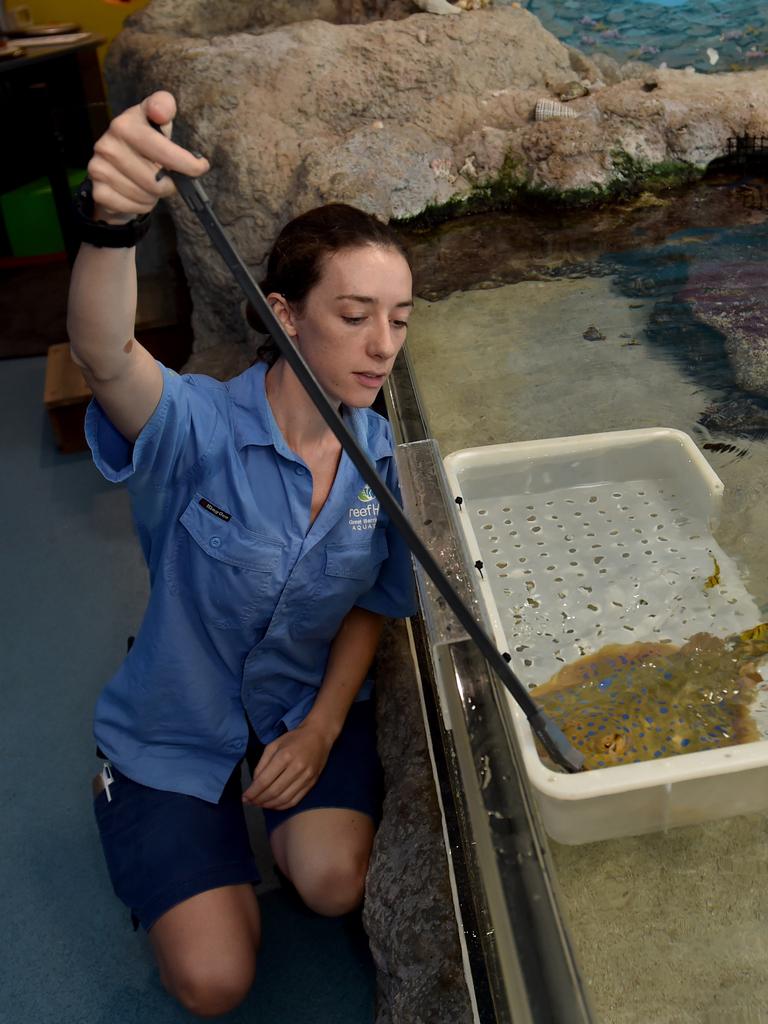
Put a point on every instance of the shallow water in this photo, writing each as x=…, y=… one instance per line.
x=710, y=35
x=503, y=351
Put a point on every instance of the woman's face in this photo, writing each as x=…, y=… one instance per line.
x=353, y=321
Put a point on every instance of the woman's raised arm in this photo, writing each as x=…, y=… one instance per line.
x=101, y=315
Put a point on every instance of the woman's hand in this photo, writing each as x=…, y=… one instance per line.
x=128, y=156
x=288, y=768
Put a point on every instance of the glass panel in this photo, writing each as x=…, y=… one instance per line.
x=529, y=973
x=653, y=315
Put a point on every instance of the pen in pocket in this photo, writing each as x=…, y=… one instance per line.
x=102, y=781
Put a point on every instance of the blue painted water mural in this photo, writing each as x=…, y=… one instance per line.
x=710, y=35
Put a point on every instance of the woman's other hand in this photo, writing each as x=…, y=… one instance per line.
x=128, y=157
x=289, y=768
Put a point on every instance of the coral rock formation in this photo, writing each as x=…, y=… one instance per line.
x=399, y=116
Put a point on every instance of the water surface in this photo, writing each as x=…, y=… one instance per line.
x=710, y=35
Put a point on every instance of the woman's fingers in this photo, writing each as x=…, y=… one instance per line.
x=281, y=795
x=281, y=774
x=160, y=109
x=129, y=156
x=267, y=771
x=291, y=796
x=134, y=129
x=110, y=183
x=261, y=774
x=288, y=767
x=108, y=201
x=264, y=797
x=127, y=162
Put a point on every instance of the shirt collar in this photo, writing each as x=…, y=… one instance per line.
x=250, y=408
x=255, y=424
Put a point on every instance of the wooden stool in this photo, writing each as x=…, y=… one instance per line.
x=66, y=398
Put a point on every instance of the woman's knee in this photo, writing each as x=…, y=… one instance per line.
x=210, y=990
x=206, y=949
x=334, y=886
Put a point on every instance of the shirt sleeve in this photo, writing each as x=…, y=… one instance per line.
x=393, y=594
x=173, y=440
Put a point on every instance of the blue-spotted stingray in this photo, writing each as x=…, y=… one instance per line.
x=641, y=701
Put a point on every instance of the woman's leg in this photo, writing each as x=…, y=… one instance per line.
x=325, y=853
x=206, y=948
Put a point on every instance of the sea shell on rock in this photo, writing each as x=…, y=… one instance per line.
x=442, y=168
x=437, y=7
x=551, y=110
x=468, y=169
x=572, y=91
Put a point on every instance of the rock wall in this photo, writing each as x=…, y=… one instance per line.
x=397, y=116
x=370, y=114
x=203, y=19
x=408, y=912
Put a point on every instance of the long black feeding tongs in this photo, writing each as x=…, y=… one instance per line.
x=552, y=738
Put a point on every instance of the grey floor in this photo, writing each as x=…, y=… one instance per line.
x=73, y=588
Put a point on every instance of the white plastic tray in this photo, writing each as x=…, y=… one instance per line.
x=598, y=539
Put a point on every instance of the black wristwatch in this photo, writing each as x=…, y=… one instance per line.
x=98, y=232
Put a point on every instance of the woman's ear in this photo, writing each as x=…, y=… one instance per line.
x=283, y=312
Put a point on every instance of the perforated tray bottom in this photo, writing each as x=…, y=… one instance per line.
x=574, y=569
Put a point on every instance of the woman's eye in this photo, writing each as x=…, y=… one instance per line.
x=400, y=324
x=353, y=319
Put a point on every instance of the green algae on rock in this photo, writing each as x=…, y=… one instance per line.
x=512, y=189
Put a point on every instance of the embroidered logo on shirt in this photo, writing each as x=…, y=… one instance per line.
x=364, y=515
x=218, y=512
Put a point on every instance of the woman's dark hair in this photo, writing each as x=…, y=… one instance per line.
x=295, y=264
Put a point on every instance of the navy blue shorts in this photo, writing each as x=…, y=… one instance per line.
x=162, y=848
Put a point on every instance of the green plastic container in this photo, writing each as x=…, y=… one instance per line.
x=30, y=217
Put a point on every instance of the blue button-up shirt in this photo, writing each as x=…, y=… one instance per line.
x=246, y=597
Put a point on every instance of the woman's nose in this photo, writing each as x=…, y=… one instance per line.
x=381, y=342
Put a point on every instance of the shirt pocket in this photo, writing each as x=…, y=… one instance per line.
x=350, y=570
x=229, y=571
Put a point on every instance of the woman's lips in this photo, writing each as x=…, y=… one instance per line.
x=370, y=380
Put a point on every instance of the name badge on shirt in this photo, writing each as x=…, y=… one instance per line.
x=218, y=512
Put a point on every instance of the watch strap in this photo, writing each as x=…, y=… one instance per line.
x=99, y=232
